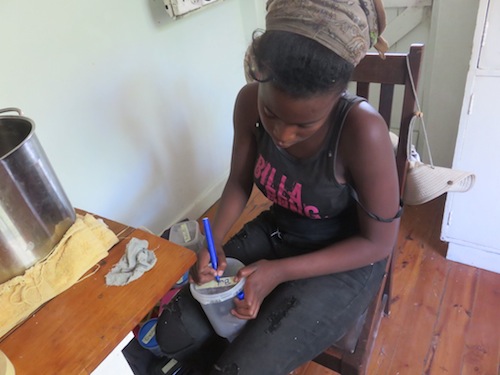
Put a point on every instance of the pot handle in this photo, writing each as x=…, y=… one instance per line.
x=12, y=109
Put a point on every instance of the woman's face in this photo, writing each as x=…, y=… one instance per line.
x=290, y=121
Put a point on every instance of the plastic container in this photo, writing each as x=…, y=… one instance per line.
x=218, y=302
x=147, y=337
x=187, y=234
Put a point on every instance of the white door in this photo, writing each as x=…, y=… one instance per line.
x=471, y=222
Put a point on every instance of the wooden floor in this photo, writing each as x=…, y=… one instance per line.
x=445, y=316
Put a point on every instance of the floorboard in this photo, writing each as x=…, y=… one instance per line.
x=482, y=339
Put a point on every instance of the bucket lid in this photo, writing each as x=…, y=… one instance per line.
x=147, y=334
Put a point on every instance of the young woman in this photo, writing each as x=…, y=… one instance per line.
x=324, y=157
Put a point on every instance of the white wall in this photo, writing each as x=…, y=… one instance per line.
x=133, y=109
x=446, y=63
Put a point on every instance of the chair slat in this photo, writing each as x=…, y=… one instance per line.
x=363, y=89
x=385, y=101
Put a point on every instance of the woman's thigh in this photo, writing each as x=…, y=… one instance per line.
x=299, y=320
x=255, y=241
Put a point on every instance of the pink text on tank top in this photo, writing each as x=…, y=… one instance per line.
x=292, y=200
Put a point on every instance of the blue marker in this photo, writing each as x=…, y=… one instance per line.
x=210, y=245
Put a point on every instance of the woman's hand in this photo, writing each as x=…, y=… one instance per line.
x=202, y=272
x=261, y=279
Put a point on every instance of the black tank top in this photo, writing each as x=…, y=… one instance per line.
x=308, y=186
x=308, y=201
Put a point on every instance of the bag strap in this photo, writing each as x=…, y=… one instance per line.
x=419, y=115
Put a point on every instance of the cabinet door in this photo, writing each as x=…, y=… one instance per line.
x=471, y=221
x=474, y=216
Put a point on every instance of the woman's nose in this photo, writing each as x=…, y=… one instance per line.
x=282, y=133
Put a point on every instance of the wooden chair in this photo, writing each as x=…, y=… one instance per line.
x=350, y=355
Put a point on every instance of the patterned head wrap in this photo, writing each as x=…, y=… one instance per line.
x=347, y=27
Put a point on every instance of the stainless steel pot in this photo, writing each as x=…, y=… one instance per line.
x=34, y=210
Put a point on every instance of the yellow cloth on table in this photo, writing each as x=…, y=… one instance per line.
x=84, y=244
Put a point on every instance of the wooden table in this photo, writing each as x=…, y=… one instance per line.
x=74, y=332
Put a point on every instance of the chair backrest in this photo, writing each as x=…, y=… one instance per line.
x=389, y=73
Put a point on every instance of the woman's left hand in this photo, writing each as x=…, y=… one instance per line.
x=261, y=279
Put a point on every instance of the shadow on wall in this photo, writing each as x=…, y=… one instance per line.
x=161, y=129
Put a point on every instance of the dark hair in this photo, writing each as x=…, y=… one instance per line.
x=298, y=65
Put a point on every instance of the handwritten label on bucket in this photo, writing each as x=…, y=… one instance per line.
x=223, y=283
x=185, y=233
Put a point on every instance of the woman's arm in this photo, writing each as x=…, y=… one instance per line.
x=239, y=184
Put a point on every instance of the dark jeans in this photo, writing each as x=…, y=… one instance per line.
x=296, y=322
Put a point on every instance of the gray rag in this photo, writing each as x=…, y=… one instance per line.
x=136, y=260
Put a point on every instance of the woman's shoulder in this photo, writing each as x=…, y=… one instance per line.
x=364, y=124
x=247, y=97
x=246, y=112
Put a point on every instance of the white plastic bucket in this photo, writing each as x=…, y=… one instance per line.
x=218, y=302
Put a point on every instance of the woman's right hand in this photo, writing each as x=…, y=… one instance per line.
x=202, y=272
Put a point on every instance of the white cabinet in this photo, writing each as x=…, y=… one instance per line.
x=471, y=221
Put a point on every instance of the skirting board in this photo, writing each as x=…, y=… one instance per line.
x=487, y=260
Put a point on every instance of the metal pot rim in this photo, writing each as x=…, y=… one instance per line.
x=26, y=139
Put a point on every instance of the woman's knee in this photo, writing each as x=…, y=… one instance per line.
x=182, y=326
